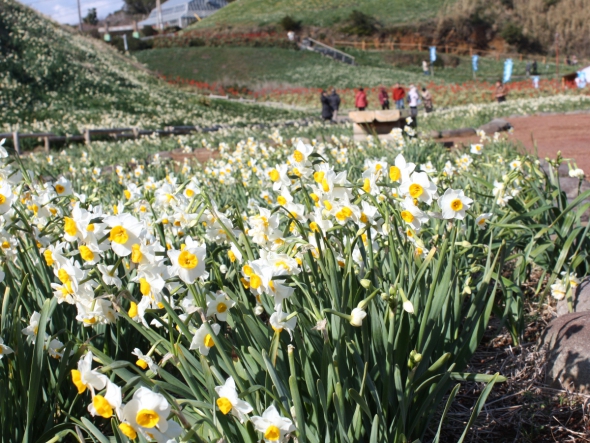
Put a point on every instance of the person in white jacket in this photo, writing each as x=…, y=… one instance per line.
x=413, y=98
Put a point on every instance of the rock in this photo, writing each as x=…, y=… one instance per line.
x=496, y=125
x=568, y=352
x=462, y=132
x=581, y=299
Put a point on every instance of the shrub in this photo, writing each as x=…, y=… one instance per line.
x=361, y=24
x=148, y=31
x=290, y=24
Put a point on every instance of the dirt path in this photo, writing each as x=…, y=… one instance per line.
x=569, y=134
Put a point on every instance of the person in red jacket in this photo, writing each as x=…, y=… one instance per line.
x=360, y=100
x=398, y=96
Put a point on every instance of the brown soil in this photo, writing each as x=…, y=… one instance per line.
x=569, y=134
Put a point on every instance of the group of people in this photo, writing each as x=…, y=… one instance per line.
x=331, y=100
x=400, y=98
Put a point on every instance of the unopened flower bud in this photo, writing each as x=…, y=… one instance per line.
x=356, y=317
x=365, y=283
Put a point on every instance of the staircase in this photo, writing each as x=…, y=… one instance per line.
x=310, y=44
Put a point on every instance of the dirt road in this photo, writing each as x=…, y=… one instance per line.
x=569, y=134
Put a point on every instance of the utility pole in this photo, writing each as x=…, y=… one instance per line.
x=79, y=17
x=159, y=8
x=557, y=53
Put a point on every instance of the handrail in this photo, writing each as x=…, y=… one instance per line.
x=330, y=48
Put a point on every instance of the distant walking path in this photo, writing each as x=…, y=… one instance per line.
x=568, y=133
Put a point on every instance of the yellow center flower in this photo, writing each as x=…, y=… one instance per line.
x=407, y=216
x=136, y=254
x=189, y=193
x=298, y=156
x=127, y=194
x=187, y=260
x=416, y=190
x=247, y=270
x=119, y=235
x=147, y=418
x=281, y=200
x=2, y=199
x=318, y=176
x=456, y=205
x=142, y=364
x=77, y=380
x=90, y=227
x=231, y=255
x=224, y=405
x=274, y=175
x=63, y=276
x=102, y=406
x=208, y=341
x=325, y=185
x=86, y=253
x=255, y=281
x=221, y=308
x=144, y=286
x=128, y=431
x=272, y=433
x=59, y=189
x=394, y=173
x=48, y=257
x=132, y=309
x=70, y=226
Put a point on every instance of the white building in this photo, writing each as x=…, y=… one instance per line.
x=182, y=13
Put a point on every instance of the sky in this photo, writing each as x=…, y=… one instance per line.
x=66, y=11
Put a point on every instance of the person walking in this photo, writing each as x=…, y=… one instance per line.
x=425, y=67
x=399, y=94
x=535, y=68
x=413, y=99
x=326, y=108
x=427, y=99
x=334, y=100
x=360, y=100
x=501, y=92
x=527, y=68
x=383, y=99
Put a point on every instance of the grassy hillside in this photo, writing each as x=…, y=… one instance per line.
x=321, y=12
x=53, y=79
x=257, y=68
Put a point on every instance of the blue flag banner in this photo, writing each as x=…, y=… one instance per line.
x=535, y=81
x=474, y=61
x=432, y=54
x=507, y=70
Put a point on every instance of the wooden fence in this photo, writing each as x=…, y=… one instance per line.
x=86, y=137
x=390, y=45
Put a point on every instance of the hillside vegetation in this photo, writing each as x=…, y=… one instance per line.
x=324, y=13
x=528, y=26
x=53, y=79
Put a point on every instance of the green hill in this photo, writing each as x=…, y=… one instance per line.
x=323, y=13
x=54, y=79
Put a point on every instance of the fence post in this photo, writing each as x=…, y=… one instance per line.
x=470, y=51
x=520, y=57
x=87, y=136
x=376, y=43
x=364, y=46
x=46, y=142
x=420, y=47
x=16, y=142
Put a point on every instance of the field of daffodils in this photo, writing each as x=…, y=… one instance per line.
x=292, y=289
